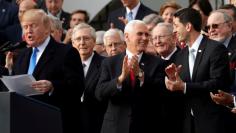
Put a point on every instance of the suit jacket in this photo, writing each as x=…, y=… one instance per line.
x=210, y=73
x=130, y=110
x=61, y=65
x=172, y=120
x=65, y=18
x=12, y=33
x=92, y=110
x=121, y=12
x=8, y=14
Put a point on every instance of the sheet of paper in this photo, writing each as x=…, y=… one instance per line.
x=20, y=84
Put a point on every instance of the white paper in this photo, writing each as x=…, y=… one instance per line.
x=20, y=84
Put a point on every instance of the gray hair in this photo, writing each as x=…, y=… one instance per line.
x=152, y=19
x=167, y=25
x=112, y=32
x=227, y=18
x=84, y=26
x=56, y=23
x=99, y=36
x=129, y=27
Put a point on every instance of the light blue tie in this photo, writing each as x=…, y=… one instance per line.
x=33, y=59
x=130, y=16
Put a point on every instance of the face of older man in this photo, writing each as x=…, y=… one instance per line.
x=163, y=40
x=84, y=43
x=114, y=45
x=137, y=39
x=34, y=29
x=218, y=28
x=54, y=6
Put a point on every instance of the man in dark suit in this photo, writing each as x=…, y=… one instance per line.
x=132, y=81
x=58, y=68
x=205, y=69
x=163, y=40
x=54, y=8
x=223, y=33
x=8, y=14
x=92, y=110
x=139, y=11
x=14, y=33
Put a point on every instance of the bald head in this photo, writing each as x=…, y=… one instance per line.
x=26, y=5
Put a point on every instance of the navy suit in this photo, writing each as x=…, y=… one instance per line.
x=61, y=65
x=12, y=33
x=121, y=12
x=210, y=73
x=8, y=14
x=131, y=110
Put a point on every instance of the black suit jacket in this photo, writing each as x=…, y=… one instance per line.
x=131, y=110
x=172, y=120
x=210, y=73
x=92, y=110
x=65, y=18
x=61, y=65
x=12, y=33
x=8, y=14
x=121, y=12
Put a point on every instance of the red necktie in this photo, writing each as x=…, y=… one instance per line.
x=132, y=78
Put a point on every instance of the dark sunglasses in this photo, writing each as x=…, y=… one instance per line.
x=214, y=26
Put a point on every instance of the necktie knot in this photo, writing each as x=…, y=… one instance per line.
x=84, y=65
x=130, y=16
x=33, y=60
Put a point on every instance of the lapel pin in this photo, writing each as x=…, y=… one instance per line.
x=199, y=51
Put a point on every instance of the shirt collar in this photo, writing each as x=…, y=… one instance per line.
x=226, y=41
x=169, y=56
x=58, y=15
x=134, y=10
x=130, y=55
x=196, y=44
x=42, y=47
x=88, y=61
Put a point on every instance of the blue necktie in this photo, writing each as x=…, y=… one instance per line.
x=33, y=59
x=130, y=16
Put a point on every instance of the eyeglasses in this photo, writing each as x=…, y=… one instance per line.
x=160, y=37
x=84, y=38
x=214, y=26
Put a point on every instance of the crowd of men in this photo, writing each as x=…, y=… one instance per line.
x=167, y=71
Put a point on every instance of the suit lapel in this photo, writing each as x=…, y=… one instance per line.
x=45, y=57
x=198, y=59
x=185, y=74
x=140, y=12
x=26, y=61
x=92, y=71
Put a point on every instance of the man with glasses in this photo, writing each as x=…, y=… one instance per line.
x=114, y=42
x=91, y=112
x=220, y=28
x=163, y=40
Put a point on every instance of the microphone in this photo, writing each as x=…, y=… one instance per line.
x=5, y=44
x=11, y=47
